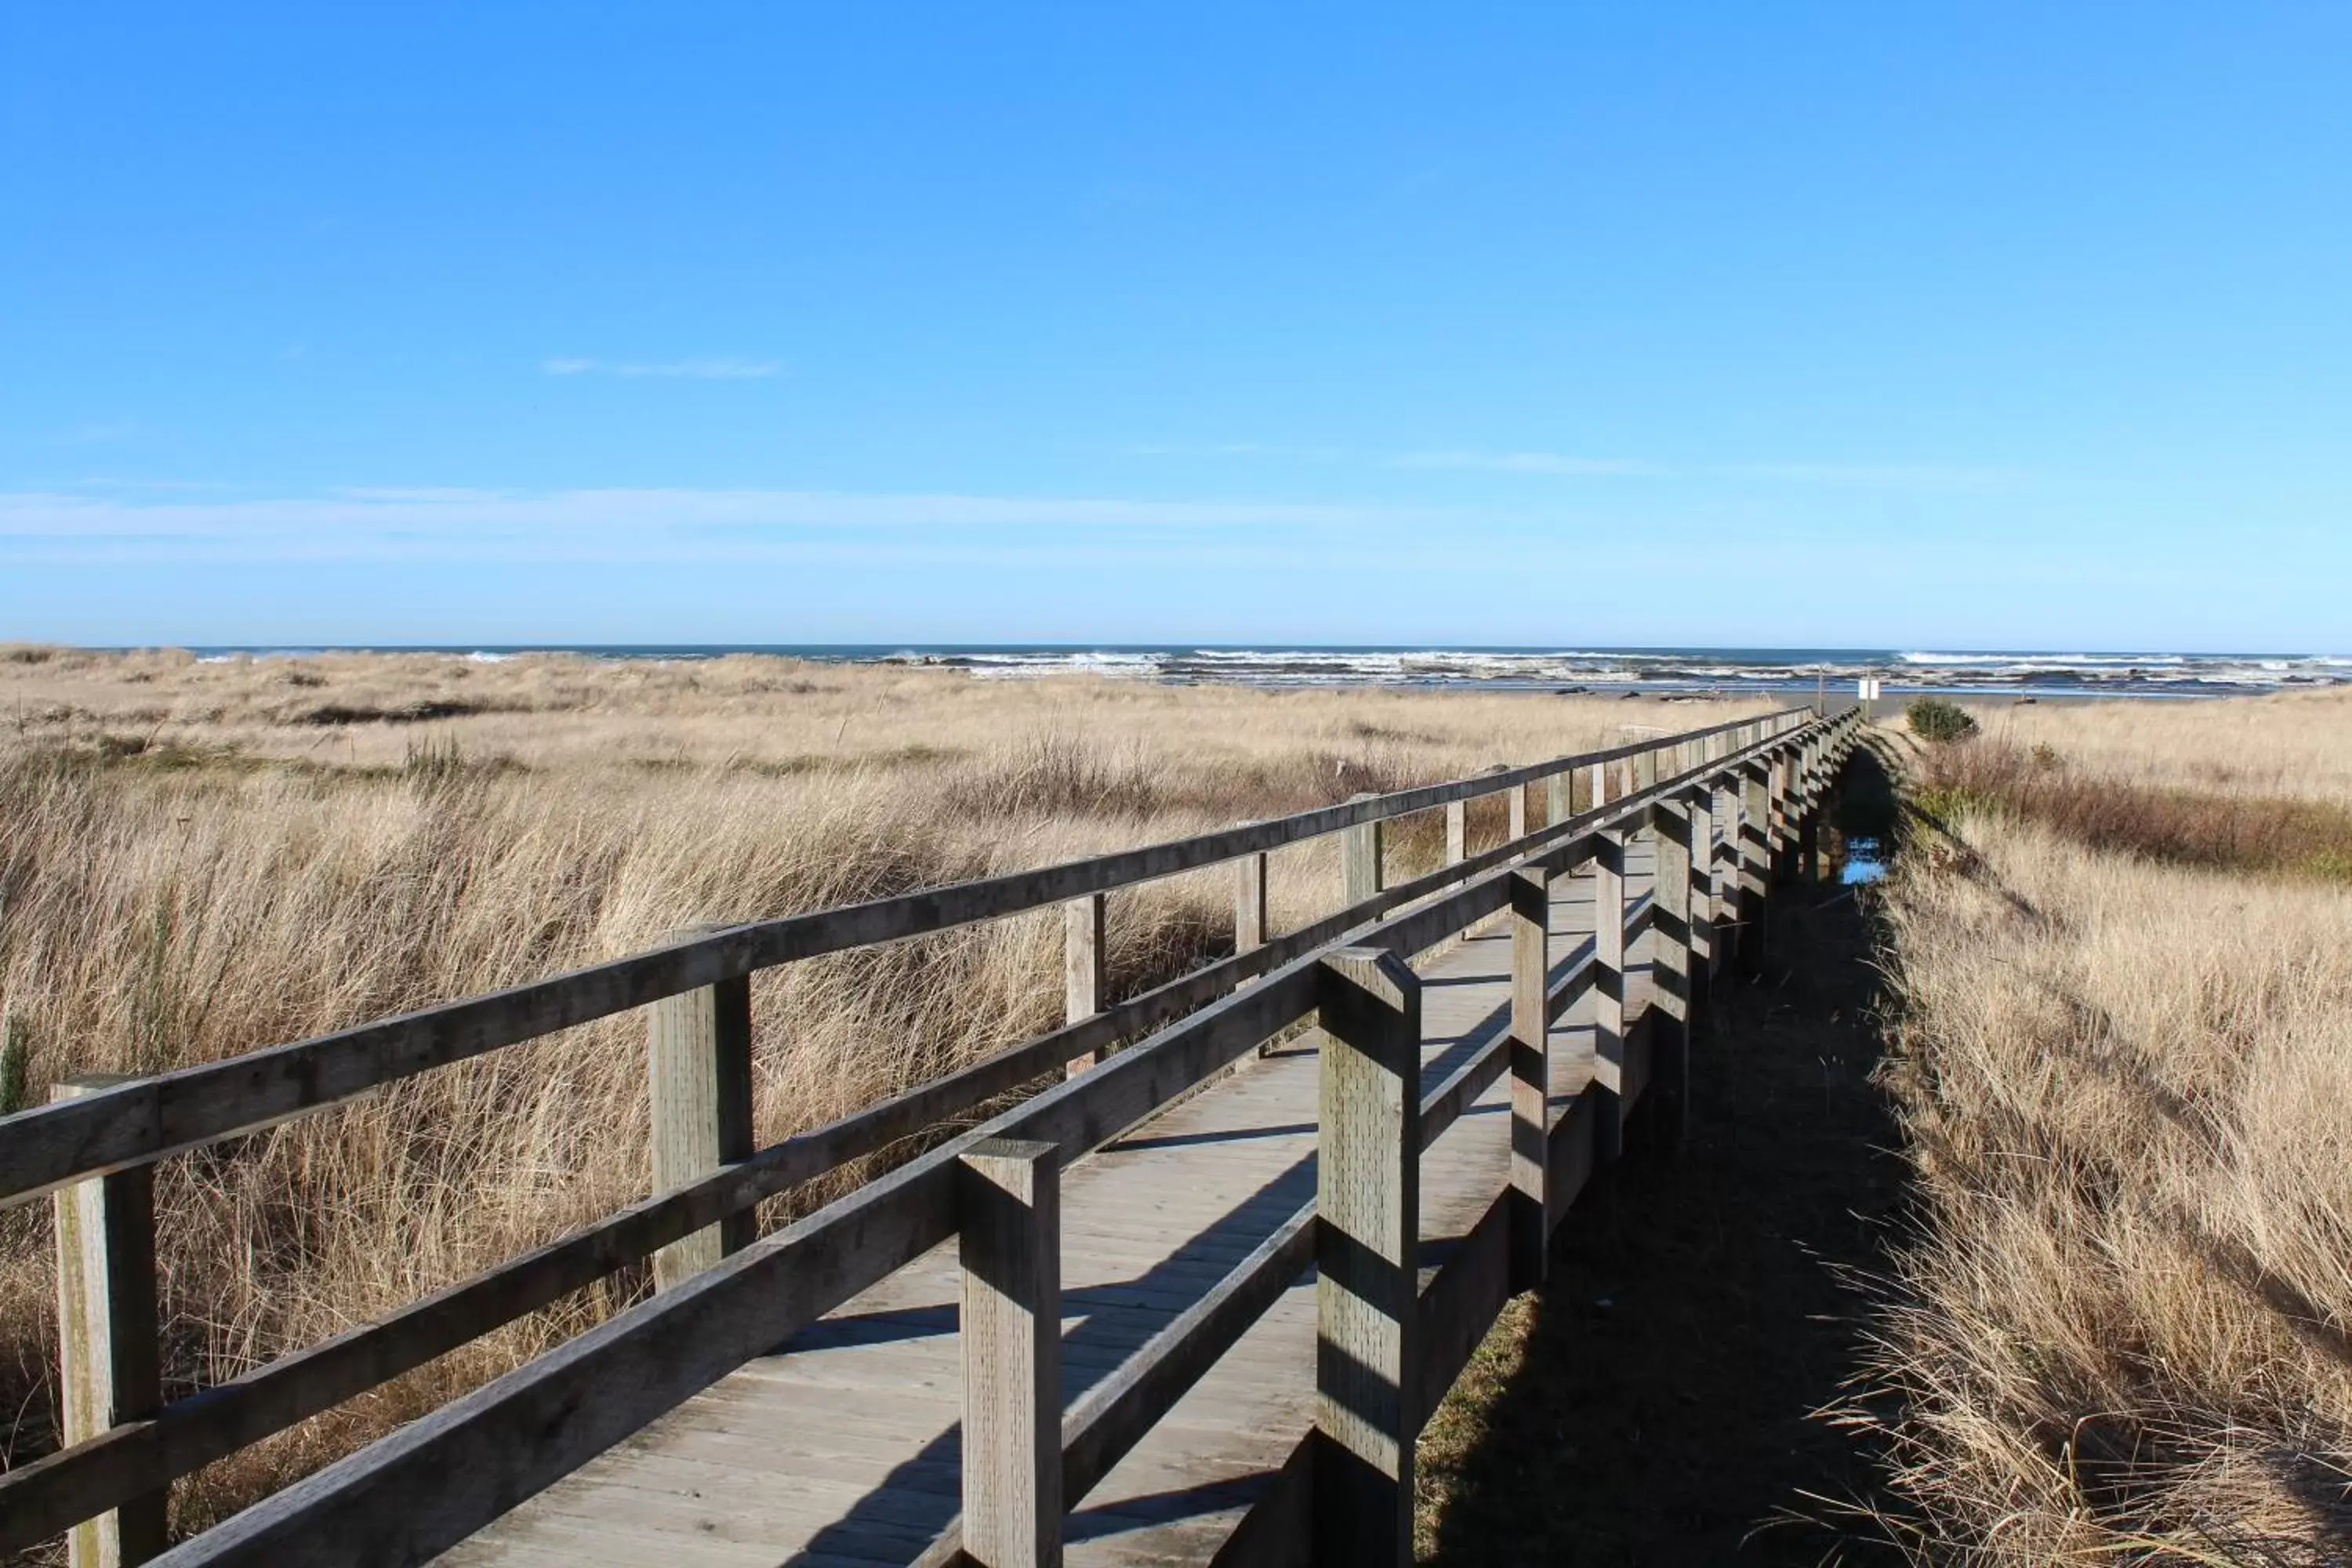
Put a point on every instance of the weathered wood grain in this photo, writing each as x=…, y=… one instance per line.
x=1528, y=1202
x=1367, y=1180
x=1674, y=832
x=1086, y=966
x=111, y=1370
x=1609, y=947
x=1008, y=1220
x=1360, y=854
x=699, y=1067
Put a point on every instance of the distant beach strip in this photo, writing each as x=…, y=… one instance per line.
x=1693, y=671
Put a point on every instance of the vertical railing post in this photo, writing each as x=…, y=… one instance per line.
x=698, y=1071
x=1599, y=786
x=1085, y=967
x=1532, y=1206
x=1609, y=994
x=1560, y=797
x=1360, y=859
x=1755, y=859
x=1008, y=1220
x=1723, y=890
x=1517, y=826
x=1809, y=814
x=1784, y=813
x=1368, y=1203
x=1457, y=831
x=1085, y=957
x=1670, y=969
x=110, y=1364
x=1698, y=805
x=1249, y=901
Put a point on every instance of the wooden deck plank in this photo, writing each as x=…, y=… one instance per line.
x=844, y=1448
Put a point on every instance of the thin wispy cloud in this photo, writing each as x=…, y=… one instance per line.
x=1227, y=449
x=1940, y=476
x=461, y=528
x=1520, y=463
x=724, y=368
x=441, y=524
x=1946, y=478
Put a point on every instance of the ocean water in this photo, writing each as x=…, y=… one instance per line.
x=1680, y=670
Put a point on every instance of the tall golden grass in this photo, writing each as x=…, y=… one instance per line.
x=2289, y=744
x=198, y=859
x=2122, y=1332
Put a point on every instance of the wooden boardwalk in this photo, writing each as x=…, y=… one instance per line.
x=798, y=1397
x=843, y=1450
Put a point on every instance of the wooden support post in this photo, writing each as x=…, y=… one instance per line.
x=1782, y=779
x=1009, y=1231
x=698, y=1070
x=1457, y=831
x=1670, y=970
x=1085, y=957
x=1367, y=1205
x=1645, y=769
x=1360, y=860
x=1698, y=804
x=1486, y=924
x=1809, y=819
x=1755, y=861
x=1086, y=968
x=1250, y=928
x=1559, y=800
x=1600, y=785
x=1531, y=1208
x=1519, y=823
x=1723, y=888
x=1609, y=994
x=110, y=1365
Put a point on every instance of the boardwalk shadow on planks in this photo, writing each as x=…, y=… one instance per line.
x=1653, y=1405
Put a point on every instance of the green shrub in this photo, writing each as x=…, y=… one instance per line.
x=1933, y=718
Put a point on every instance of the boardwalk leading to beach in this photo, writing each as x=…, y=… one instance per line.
x=845, y=1450
x=1193, y=1302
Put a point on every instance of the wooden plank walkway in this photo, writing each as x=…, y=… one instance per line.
x=843, y=1451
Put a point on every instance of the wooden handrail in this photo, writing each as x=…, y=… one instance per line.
x=59, y=1489
x=830, y=1256
x=149, y=1118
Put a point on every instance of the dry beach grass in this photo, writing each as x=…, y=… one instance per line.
x=202, y=858
x=2120, y=1324
x=2122, y=961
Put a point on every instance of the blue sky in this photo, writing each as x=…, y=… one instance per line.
x=1904, y=325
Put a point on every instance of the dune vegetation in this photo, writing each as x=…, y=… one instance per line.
x=2115, y=1327
x=2121, y=999
x=199, y=859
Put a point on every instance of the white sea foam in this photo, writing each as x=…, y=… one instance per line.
x=1792, y=672
x=2055, y=673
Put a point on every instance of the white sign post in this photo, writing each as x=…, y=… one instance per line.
x=1869, y=686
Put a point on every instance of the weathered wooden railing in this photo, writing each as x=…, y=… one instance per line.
x=727, y=1297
